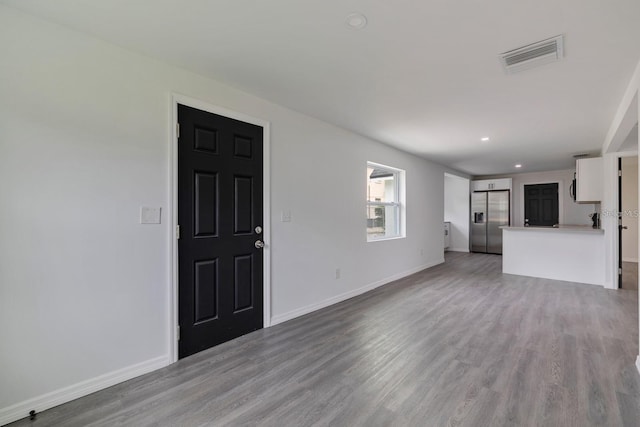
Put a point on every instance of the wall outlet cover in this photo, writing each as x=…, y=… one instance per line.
x=150, y=215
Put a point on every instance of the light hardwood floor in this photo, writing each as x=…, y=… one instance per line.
x=457, y=344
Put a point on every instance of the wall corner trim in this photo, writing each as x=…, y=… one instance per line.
x=638, y=363
x=350, y=294
x=66, y=394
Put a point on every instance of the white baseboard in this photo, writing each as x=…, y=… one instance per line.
x=458, y=249
x=350, y=294
x=629, y=259
x=83, y=388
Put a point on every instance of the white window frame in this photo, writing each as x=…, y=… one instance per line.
x=399, y=202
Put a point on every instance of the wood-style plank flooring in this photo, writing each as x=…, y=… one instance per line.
x=630, y=276
x=459, y=344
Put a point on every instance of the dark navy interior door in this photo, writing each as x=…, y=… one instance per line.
x=541, y=204
x=220, y=199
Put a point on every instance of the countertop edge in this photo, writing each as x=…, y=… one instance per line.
x=585, y=230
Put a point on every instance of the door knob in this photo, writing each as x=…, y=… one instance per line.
x=259, y=244
x=624, y=227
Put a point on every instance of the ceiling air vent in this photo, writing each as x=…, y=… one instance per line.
x=533, y=55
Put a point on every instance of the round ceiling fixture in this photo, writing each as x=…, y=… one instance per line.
x=356, y=21
x=484, y=139
x=518, y=165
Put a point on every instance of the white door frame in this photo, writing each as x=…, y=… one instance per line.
x=173, y=210
x=609, y=217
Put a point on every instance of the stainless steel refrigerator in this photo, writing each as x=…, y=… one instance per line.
x=490, y=210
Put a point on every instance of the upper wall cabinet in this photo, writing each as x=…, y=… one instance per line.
x=589, y=177
x=491, y=184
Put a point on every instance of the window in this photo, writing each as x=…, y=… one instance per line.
x=385, y=210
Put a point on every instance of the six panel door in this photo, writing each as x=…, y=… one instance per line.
x=220, y=199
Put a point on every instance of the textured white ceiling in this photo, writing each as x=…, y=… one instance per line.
x=423, y=76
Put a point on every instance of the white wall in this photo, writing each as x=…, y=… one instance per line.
x=630, y=209
x=626, y=118
x=85, y=141
x=570, y=212
x=623, y=123
x=456, y=210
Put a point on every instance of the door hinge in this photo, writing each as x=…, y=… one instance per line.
x=619, y=271
x=178, y=232
x=178, y=332
x=619, y=172
x=178, y=130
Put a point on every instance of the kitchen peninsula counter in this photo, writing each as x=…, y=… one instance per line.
x=573, y=253
x=561, y=228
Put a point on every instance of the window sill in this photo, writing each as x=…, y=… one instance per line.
x=384, y=239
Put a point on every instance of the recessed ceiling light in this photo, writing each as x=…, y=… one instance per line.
x=518, y=165
x=484, y=139
x=357, y=21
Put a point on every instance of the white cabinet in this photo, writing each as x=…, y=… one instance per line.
x=589, y=177
x=491, y=184
x=447, y=235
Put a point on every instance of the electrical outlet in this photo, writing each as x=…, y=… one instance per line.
x=337, y=273
x=285, y=216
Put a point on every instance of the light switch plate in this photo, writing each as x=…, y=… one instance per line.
x=150, y=215
x=285, y=216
